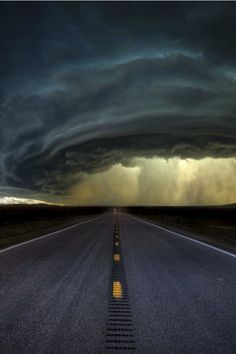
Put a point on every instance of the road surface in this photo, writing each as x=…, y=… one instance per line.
x=117, y=285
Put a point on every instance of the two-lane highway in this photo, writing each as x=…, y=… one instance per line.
x=55, y=291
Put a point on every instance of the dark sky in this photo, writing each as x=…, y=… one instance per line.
x=85, y=86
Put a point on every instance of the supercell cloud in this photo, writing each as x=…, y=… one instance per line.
x=87, y=87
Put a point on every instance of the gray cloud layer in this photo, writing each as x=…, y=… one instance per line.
x=96, y=84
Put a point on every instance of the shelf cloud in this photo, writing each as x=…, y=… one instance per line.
x=89, y=86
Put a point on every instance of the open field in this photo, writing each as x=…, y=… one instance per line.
x=213, y=224
x=22, y=222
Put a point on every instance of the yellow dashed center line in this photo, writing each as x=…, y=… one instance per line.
x=116, y=257
x=117, y=290
x=116, y=243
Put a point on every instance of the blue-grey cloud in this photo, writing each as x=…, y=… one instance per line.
x=87, y=85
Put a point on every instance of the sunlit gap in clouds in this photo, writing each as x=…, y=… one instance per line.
x=16, y=200
x=159, y=181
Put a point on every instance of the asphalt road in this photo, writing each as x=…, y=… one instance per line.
x=54, y=292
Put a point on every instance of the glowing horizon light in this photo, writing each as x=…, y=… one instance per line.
x=16, y=200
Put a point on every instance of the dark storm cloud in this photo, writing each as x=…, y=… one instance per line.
x=87, y=85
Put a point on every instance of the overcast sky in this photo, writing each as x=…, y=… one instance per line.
x=118, y=102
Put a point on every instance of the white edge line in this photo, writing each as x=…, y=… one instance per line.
x=50, y=234
x=186, y=237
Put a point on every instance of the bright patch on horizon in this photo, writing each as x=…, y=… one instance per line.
x=15, y=200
